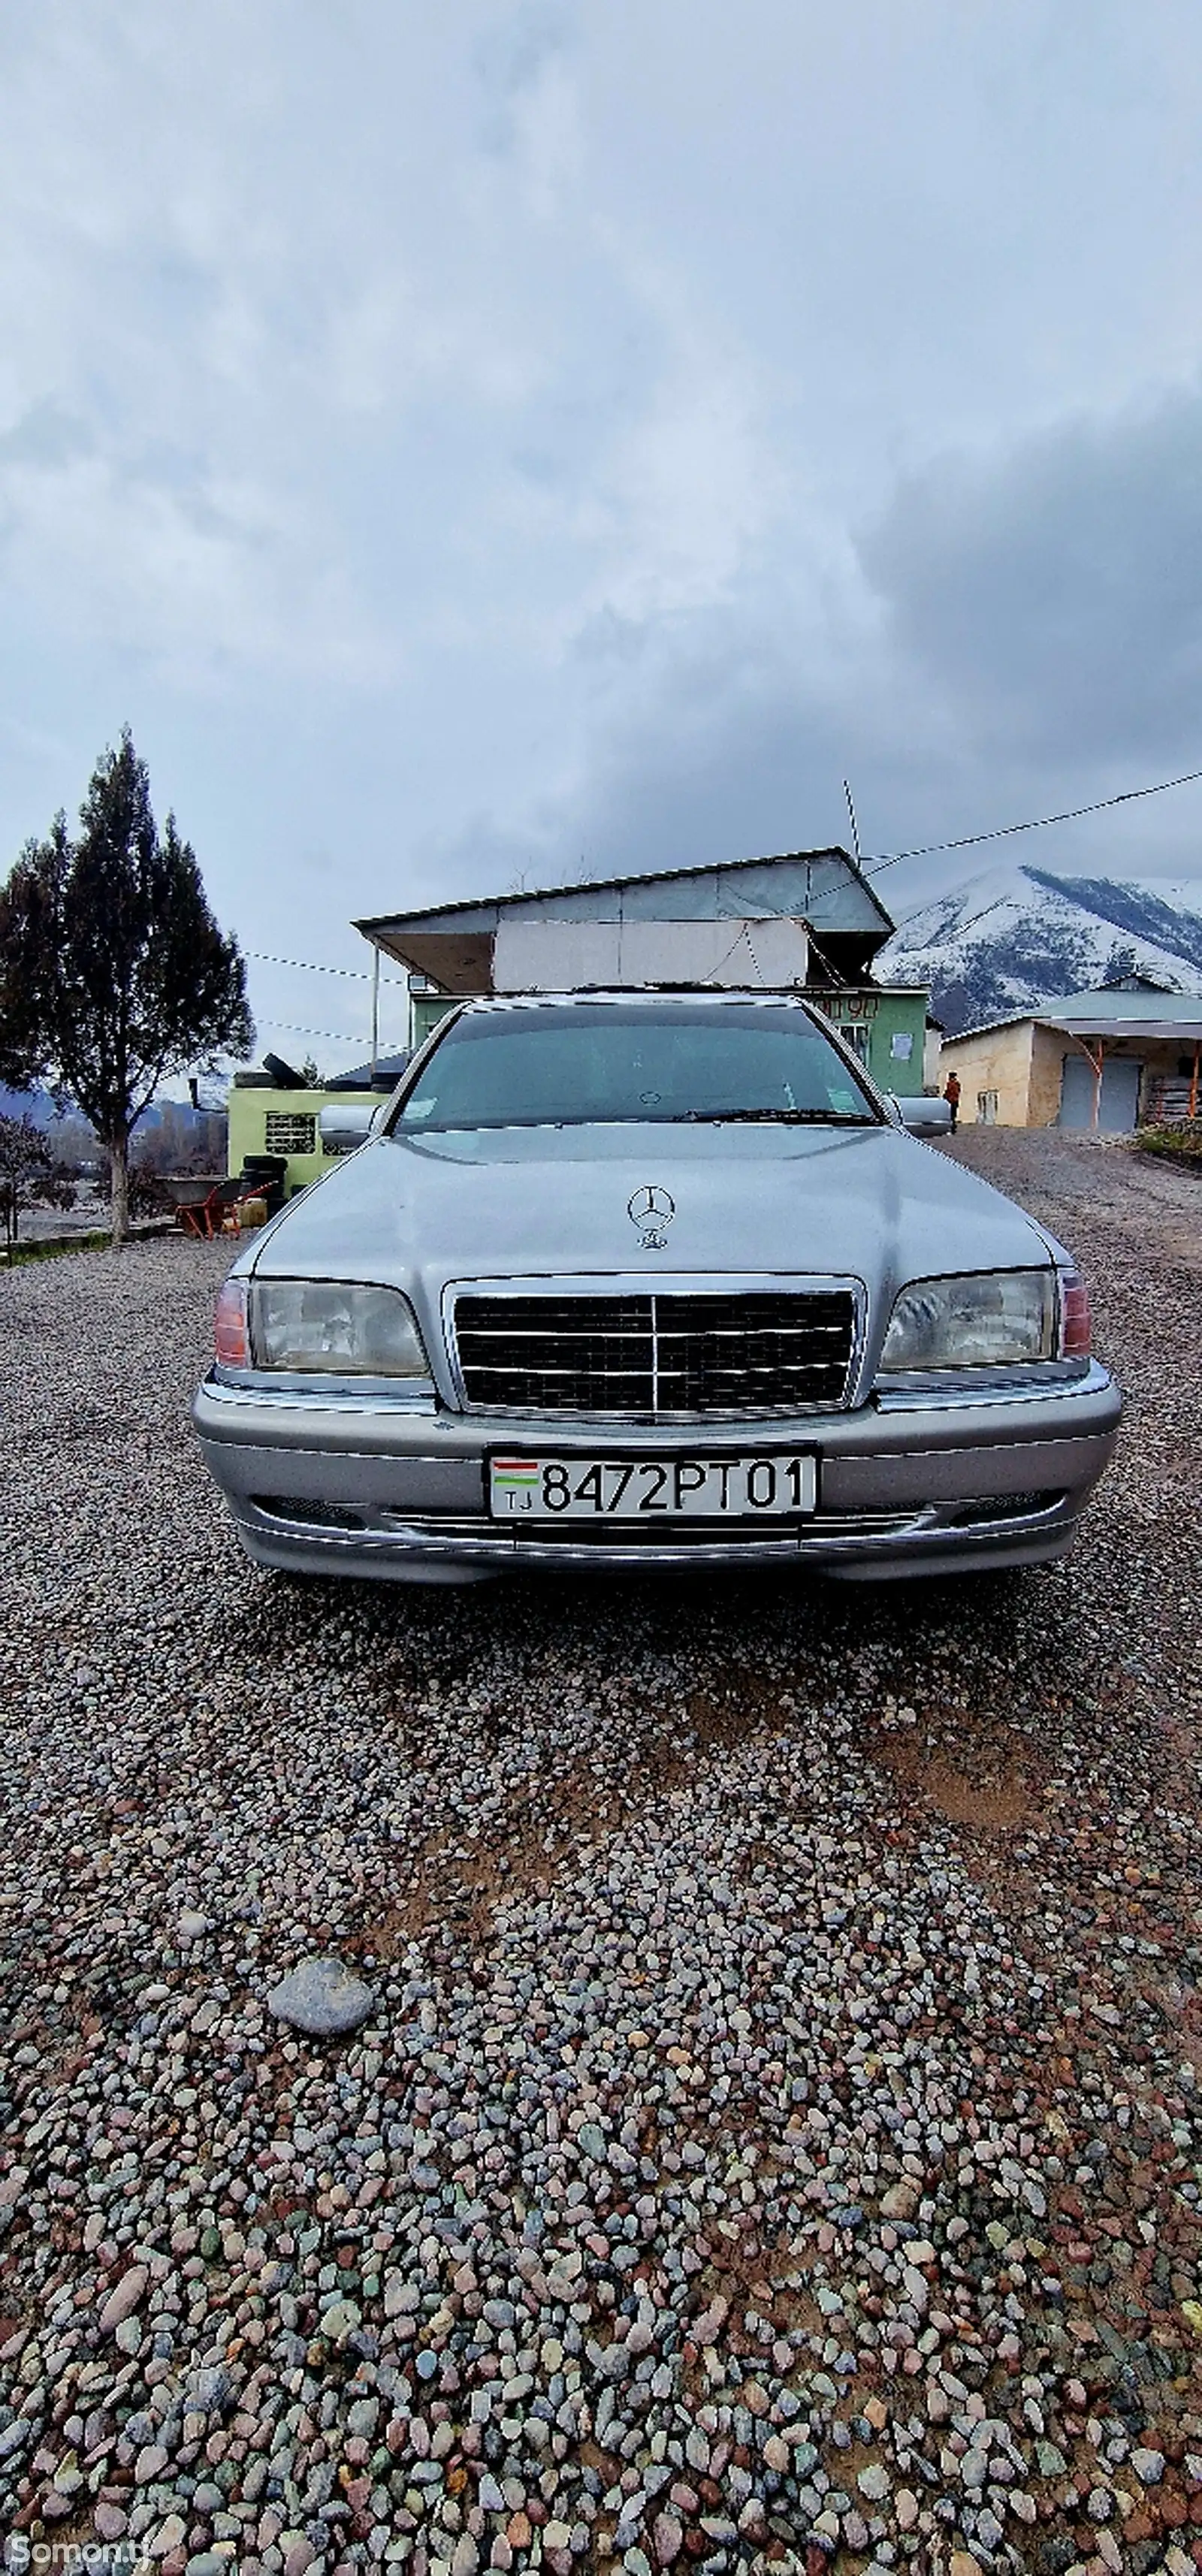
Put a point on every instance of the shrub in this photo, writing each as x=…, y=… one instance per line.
x=1180, y=1144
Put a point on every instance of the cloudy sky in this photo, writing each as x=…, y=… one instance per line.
x=517, y=441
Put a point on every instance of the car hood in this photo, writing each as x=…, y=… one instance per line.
x=867, y=1203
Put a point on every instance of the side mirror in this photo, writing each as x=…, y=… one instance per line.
x=921, y=1116
x=346, y=1124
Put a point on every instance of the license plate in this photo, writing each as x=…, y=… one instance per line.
x=779, y=1487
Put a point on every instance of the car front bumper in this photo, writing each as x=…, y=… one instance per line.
x=910, y=1483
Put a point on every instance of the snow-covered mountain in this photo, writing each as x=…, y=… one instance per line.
x=1017, y=935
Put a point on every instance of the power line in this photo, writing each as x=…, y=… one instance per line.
x=298, y=1030
x=869, y=868
x=353, y=974
x=1040, y=822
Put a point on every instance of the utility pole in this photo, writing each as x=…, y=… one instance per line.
x=375, y=1012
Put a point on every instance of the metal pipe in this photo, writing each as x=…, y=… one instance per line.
x=375, y=1012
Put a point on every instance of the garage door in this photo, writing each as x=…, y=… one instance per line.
x=1120, y=1094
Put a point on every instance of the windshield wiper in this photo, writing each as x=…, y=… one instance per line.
x=788, y=1117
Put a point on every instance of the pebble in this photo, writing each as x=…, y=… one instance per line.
x=207, y=2389
x=675, y=2166
x=122, y=2300
x=668, y=2539
x=322, y=1997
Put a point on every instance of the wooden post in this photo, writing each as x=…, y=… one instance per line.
x=1193, y=1089
x=1096, y=1061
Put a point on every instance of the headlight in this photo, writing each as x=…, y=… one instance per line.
x=991, y=1318
x=311, y=1325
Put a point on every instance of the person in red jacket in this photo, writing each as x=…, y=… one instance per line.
x=951, y=1093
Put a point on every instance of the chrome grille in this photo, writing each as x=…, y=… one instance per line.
x=749, y=1352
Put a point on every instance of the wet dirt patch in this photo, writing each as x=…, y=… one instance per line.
x=994, y=1806
x=969, y=1770
x=460, y=1885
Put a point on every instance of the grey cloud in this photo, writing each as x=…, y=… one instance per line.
x=481, y=400
x=510, y=61
x=45, y=436
x=1054, y=596
x=710, y=742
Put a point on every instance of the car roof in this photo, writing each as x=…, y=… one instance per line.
x=637, y=993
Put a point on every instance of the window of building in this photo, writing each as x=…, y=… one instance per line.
x=291, y=1131
x=986, y=1108
x=858, y=1036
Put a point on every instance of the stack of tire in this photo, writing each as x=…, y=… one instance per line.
x=268, y=1173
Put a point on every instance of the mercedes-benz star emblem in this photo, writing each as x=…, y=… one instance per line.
x=653, y=1210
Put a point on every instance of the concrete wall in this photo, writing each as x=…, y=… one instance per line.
x=1024, y=1064
x=1049, y=1048
x=249, y=1112
x=998, y=1060
x=425, y=1012
x=895, y=1019
x=1157, y=1057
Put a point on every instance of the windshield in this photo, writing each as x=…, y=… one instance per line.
x=561, y=1064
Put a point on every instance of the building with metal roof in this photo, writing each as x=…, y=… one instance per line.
x=1126, y=1054
x=805, y=920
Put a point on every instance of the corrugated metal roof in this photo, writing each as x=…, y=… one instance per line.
x=1137, y=1007
x=1104, y=1015
x=1129, y=1028
x=812, y=884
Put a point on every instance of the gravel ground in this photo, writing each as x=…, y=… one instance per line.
x=775, y=2142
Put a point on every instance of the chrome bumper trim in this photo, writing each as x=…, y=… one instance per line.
x=248, y=1396
x=1032, y=1389
x=827, y=1539
x=898, y=1489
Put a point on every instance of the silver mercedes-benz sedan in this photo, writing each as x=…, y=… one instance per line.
x=645, y=1280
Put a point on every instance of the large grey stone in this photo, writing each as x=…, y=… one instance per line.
x=321, y=1997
